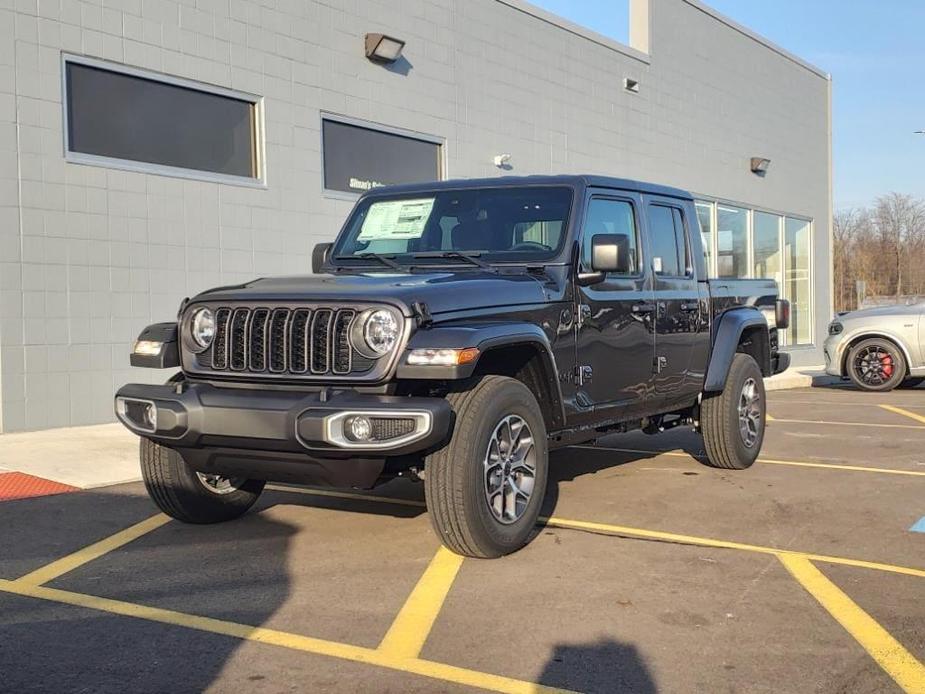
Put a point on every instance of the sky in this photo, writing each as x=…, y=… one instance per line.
x=876, y=56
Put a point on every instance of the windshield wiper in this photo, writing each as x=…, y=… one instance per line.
x=471, y=258
x=384, y=259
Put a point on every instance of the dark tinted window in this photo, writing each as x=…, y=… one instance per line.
x=669, y=246
x=121, y=116
x=358, y=159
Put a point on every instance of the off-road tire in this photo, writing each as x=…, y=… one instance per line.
x=454, y=476
x=719, y=418
x=886, y=346
x=176, y=489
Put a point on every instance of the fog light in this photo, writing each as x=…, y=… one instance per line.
x=358, y=428
x=140, y=415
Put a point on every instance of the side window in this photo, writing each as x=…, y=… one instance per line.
x=684, y=251
x=668, y=241
x=610, y=217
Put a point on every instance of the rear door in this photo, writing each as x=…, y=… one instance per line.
x=615, y=331
x=679, y=343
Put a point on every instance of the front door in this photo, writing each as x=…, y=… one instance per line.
x=616, y=342
x=680, y=344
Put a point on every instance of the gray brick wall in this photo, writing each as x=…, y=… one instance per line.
x=90, y=255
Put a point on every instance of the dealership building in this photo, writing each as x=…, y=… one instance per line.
x=151, y=149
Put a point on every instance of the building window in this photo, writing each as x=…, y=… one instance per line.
x=359, y=157
x=731, y=241
x=705, y=217
x=127, y=118
x=766, y=247
x=797, y=287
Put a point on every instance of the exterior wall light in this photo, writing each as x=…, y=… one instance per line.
x=383, y=49
x=503, y=161
x=760, y=165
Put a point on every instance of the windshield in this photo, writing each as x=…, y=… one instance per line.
x=524, y=224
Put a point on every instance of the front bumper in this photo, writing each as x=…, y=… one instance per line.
x=281, y=434
x=832, y=350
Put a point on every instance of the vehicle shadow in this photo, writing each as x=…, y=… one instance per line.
x=605, y=666
x=236, y=572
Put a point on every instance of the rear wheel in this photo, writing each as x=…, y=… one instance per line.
x=732, y=422
x=485, y=488
x=876, y=365
x=190, y=496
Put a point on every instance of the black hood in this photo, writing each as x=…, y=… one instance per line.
x=441, y=291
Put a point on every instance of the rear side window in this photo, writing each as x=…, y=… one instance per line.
x=669, y=242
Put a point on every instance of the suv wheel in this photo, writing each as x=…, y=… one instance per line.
x=876, y=365
x=733, y=421
x=190, y=496
x=485, y=488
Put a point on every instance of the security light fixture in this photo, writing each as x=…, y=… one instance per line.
x=503, y=161
x=383, y=49
x=631, y=85
x=760, y=166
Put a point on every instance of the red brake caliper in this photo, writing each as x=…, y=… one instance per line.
x=886, y=361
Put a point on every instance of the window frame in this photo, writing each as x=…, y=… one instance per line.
x=640, y=251
x=333, y=194
x=259, y=127
x=688, y=257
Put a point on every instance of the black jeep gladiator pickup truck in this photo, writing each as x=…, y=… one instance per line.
x=455, y=332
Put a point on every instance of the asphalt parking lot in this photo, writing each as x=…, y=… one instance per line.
x=651, y=573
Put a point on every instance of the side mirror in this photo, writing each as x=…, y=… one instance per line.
x=320, y=256
x=609, y=253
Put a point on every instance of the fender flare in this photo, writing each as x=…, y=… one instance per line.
x=486, y=337
x=169, y=356
x=728, y=332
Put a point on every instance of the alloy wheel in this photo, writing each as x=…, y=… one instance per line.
x=749, y=413
x=510, y=469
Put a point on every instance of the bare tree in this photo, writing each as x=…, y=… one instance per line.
x=884, y=246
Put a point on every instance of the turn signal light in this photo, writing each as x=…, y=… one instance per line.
x=443, y=357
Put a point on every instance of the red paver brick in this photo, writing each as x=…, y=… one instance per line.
x=18, y=485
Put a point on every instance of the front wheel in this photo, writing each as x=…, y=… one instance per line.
x=733, y=421
x=485, y=488
x=190, y=496
x=876, y=365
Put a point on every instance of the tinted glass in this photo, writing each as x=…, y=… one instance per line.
x=496, y=224
x=731, y=241
x=111, y=114
x=610, y=217
x=358, y=159
x=666, y=236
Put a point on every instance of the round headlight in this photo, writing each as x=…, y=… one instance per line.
x=202, y=327
x=378, y=333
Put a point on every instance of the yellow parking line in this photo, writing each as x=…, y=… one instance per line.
x=609, y=529
x=769, y=461
x=849, y=424
x=408, y=633
x=890, y=655
x=769, y=417
x=62, y=566
x=297, y=642
x=905, y=413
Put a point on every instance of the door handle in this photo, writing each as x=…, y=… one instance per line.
x=643, y=308
x=690, y=307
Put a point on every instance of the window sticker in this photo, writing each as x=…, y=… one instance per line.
x=396, y=219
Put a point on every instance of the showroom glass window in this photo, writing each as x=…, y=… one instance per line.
x=766, y=247
x=142, y=121
x=797, y=236
x=731, y=241
x=705, y=216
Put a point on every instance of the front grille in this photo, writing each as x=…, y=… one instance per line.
x=284, y=341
